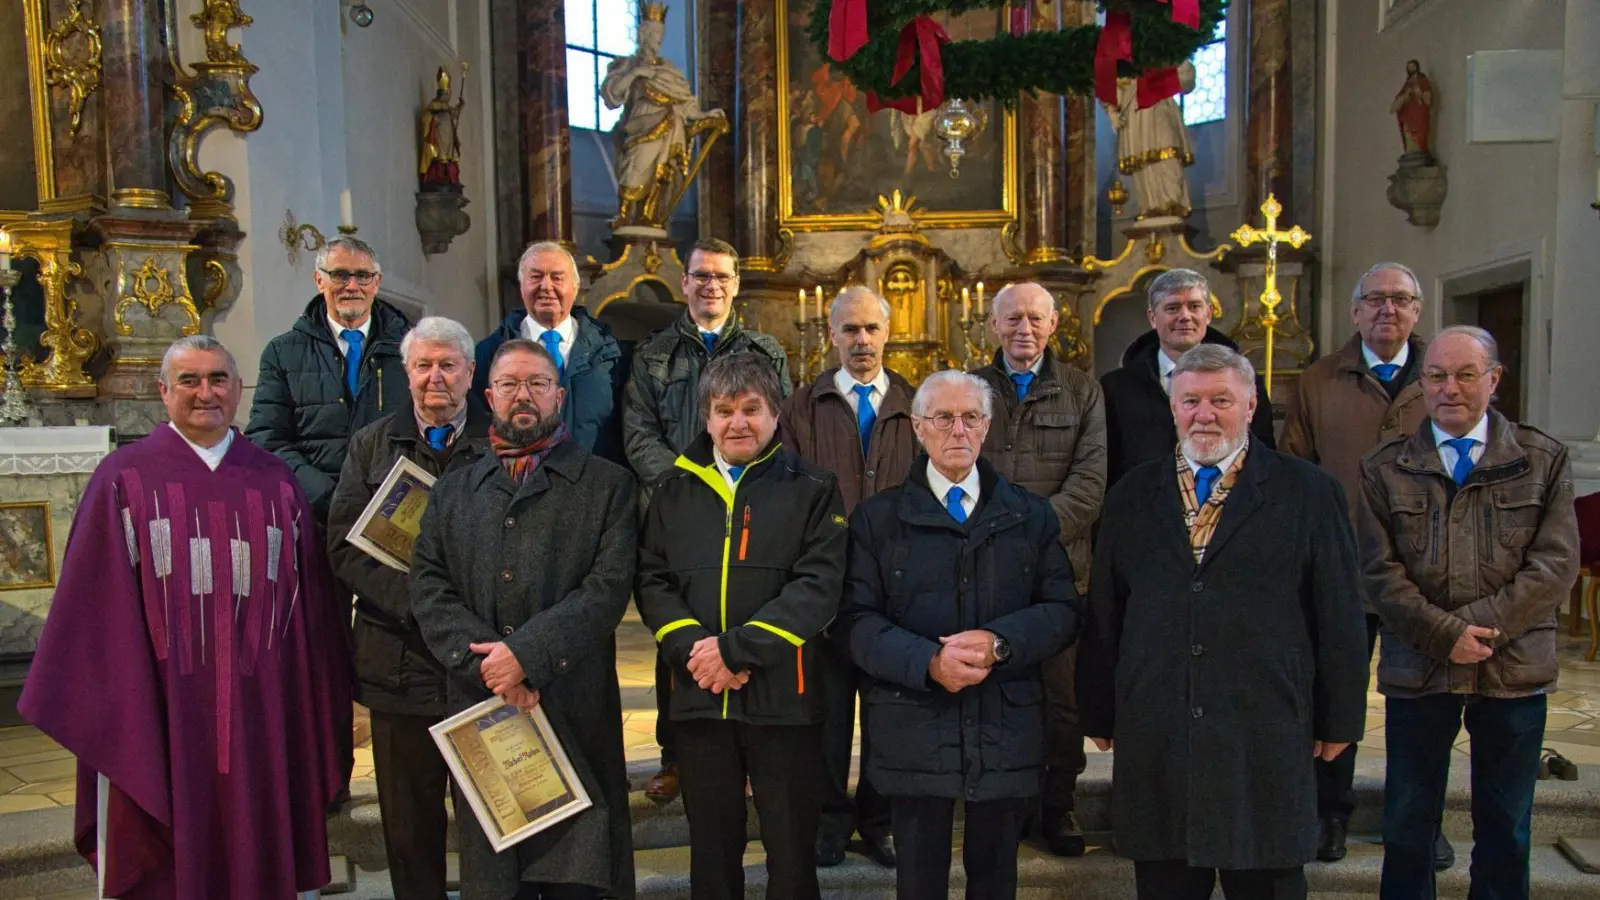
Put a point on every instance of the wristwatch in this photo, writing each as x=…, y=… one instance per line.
x=1002, y=649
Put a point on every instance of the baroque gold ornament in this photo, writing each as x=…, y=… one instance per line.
x=72, y=59
x=151, y=287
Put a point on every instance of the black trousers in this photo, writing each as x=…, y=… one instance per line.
x=1064, y=758
x=869, y=811
x=531, y=891
x=669, y=750
x=1336, y=795
x=413, y=781
x=1177, y=880
x=782, y=763
x=922, y=837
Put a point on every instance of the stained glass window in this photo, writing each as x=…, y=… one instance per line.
x=598, y=31
x=1208, y=102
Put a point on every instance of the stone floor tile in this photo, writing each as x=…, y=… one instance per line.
x=12, y=803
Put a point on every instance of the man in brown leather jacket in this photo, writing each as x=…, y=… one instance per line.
x=1342, y=406
x=1469, y=543
x=854, y=421
x=1049, y=437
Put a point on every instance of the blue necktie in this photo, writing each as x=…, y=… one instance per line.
x=439, y=435
x=1464, y=464
x=710, y=339
x=734, y=472
x=952, y=504
x=551, y=340
x=865, y=415
x=1023, y=381
x=352, y=359
x=1385, y=371
x=1204, y=480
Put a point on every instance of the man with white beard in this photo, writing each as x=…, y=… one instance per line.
x=1221, y=651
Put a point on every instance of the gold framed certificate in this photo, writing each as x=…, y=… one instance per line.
x=389, y=526
x=512, y=769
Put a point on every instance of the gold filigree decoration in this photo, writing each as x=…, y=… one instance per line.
x=216, y=283
x=652, y=259
x=72, y=59
x=151, y=287
x=775, y=263
x=70, y=346
x=217, y=94
x=1070, y=345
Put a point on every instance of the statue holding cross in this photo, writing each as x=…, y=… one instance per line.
x=1248, y=234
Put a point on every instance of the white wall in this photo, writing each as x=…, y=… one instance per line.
x=1507, y=202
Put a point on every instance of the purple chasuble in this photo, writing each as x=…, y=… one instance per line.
x=194, y=655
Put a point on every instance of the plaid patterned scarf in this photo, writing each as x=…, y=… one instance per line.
x=521, y=461
x=1202, y=521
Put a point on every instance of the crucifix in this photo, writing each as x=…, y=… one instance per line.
x=1246, y=235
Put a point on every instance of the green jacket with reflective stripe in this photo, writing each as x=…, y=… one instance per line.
x=758, y=565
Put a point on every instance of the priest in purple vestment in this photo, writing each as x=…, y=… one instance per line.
x=193, y=659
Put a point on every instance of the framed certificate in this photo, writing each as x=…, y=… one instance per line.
x=512, y=769
x=390, y=523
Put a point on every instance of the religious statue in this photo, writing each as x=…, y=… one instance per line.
x=441, y=139
x=660, y=118
x=1413, y=107
x=1153, y=148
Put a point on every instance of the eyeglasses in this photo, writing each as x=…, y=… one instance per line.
x=510, y=387
x=1377, y=301
x=705, y=278
x=1465, y=377
x=947, y=421
x=345, y=276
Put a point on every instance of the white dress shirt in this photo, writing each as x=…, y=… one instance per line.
x=1448, y=455
x=1037, y=365
x=567, y=328
x=725, y=467
x=941, y=487
x=344, y=346
x=457, y=423
x=211, y=456
x=1165, y=365
x=846, y=383
x=1223, y=466
x=1373, y=360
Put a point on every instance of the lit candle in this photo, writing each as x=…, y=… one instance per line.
x=980, y=298
x=966, y=305
x=347, y=210
x=804, y=311
x=820, y=313
x=5, y=249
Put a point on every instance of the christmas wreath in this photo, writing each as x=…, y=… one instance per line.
x=902, y=58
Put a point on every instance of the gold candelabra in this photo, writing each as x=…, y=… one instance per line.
x=975, y=344
x=812, y=327
x=1246, y=235
x=14, y=406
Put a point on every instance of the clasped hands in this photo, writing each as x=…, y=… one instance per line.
x=964, y=659
x=503, y=674
x=710, y=672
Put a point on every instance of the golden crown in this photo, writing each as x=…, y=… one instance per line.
x=653, y=12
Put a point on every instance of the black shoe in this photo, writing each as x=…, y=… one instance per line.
x=1061, y=832
x=880, y=849
x=1444, y=855
x=830, y=848
x=1332, y=848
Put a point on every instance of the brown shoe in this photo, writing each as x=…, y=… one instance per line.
x=663, y=786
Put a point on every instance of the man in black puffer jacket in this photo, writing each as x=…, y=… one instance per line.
x=336, y=371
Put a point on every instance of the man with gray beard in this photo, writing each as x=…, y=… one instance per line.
x=1221, y=652
x=519, y=579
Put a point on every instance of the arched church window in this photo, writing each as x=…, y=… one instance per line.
x=1208, y=102
x=598, y=31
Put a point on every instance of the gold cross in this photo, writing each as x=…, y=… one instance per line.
x=1246, y=235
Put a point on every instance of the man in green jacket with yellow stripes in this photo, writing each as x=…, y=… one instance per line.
x=741, y=564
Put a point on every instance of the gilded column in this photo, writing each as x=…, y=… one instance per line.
x=546, y=147
x=1269, y=131
x=718, y=89
x=756, y=206
x=134, y=73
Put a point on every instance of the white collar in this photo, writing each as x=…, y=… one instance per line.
x=725, y=467
x=1479, y=433
x=1225, y=464
x=941, y=485
x=1373, y=360
x=567, y=328
x=339, y=327
x=1164, y=363
x=211, y=456
x=846, y=383
x=714, y=332
x=1037, y=364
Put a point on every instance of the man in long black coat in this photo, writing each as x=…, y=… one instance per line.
x=1223, y=648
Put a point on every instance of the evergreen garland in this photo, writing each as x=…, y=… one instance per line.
x=1055, y=62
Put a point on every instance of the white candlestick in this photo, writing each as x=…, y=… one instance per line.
x=347, y=211
x=805, y=307
x=980, y=298
x=820, y=313
x=966, y=305
x=5, y=250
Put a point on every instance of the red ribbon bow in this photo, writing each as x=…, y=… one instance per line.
x=1184, y=12
x=1116, y=44
x=920, y=42
x=847, y=28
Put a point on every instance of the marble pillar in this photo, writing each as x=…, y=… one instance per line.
x=756, y=206
x=78, y=151
x=1044, y=162
x=546, y=147
x=1269, y=113
x=133, y=77
x=1082, y=211
x=718, y=24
